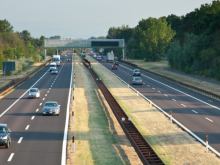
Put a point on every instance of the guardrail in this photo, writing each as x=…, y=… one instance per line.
x=216, y=96
x=23, y=79
x=142, y=147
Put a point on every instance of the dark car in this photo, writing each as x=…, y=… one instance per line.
x=136, y=72
x=137, y=81
x=116, y=63
x=114, y=67
x=5, y=135
x=54, y=71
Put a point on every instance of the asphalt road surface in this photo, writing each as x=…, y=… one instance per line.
x=37, y=139
x=199, y=113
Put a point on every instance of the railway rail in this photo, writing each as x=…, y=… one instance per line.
x=145, y=152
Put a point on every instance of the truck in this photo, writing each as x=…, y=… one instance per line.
x=53, y=65
x=56, y=59
x=110, y=57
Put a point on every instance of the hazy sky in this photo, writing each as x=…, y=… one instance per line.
x=86, y=18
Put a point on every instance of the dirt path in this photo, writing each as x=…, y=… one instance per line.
x=99, y=139
x=173, y=145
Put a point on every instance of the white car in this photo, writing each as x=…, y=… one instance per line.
x=94, y=55
x=34, y=93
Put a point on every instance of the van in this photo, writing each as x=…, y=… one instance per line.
x=53, y=65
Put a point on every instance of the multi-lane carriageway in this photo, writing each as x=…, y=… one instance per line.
x=199, y=113
x=37, y=139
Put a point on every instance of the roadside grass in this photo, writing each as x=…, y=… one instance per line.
x=172, y=144
x=161, y=66
x=98, y=138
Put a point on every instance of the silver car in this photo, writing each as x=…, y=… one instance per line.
x=34, y=93
x=50, y=108
x=137, y=81
x=54, y=71
x=136, y=72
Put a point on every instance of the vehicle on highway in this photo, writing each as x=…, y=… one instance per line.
x=50, y=108
x=94, y=55
x=136, y=72
x=53, y=65
x=34, y=93
x=110, y=57
x=99, y=57
x=5, y=135
x=54, y=71
x=137, y=81
x=116, y=63
x=56, y=59
x=114, y=67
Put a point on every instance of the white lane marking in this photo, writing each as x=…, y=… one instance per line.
x=27, y=127
x=32, y=118
x=40, y=104
x=159, y=91
x=63, y=158
x=10, y=157
x=43, y=98
x=179, y=91
x=173, y=99
x=148, y=85
x=194, y=111
x=153, y=88
x=165, y=95
x=183, y=105
x=210, y=100
x=46, y=95
x=143, y=83
x=209, y=119
x=49, y=88
x=19, y=141
x=37, y=110
x=47, y=91
x=23, y=95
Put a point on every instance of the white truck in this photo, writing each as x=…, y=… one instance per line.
x=53, y=65
x=110, y=57
x=56, y=59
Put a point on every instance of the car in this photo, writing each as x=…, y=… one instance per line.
x=137, y=81
x=99, y=57
x=50, y=108
x=136, y=72
x=5, y=135
x=116, y=63
x=114, y=67
x=33, y=93
x=94, y=55
x=54, y=71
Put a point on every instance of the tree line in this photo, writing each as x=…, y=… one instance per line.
x=191, y=43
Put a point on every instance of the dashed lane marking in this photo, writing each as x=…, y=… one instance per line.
x=10, y=157
x=19, y=141
x=37, y=110
x=194, y=111
x=173, y=99
x=32, y=118
x=209, y=119
x=183, y=105
x=27, y=127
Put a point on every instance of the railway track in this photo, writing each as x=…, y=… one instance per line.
x=141, y=146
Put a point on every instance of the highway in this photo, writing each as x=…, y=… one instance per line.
x=199, y=113
x=37, y=139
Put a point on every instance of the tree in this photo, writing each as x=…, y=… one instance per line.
x=5, y=26
x=26, y=35
x=2, y=59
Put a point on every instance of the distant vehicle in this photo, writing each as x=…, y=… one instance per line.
x=99, y=57
x=56, y=59
x=83, y=55
x=34, y=93
x=54, y=71
x=51, y=107
x=53, y=65
x=94, y=55
x=114, y=67
x=116, y=63
x=137, y=81
x=136, y=72
x=5, y=135
x=110, y=57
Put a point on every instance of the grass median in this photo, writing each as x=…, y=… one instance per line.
x=99, y=139
x=173, y=145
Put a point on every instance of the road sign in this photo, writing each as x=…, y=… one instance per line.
x=9, y=66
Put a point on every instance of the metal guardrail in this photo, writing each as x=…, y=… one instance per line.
x=216, y=96
x=23, y=79
x=142, y=147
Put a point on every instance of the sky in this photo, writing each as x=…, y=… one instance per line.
x=86, y=18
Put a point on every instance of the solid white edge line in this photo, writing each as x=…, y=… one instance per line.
x=23, y=95
x=10, y=157
x=19, y=141
x=27, y=127
x=63, y=159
